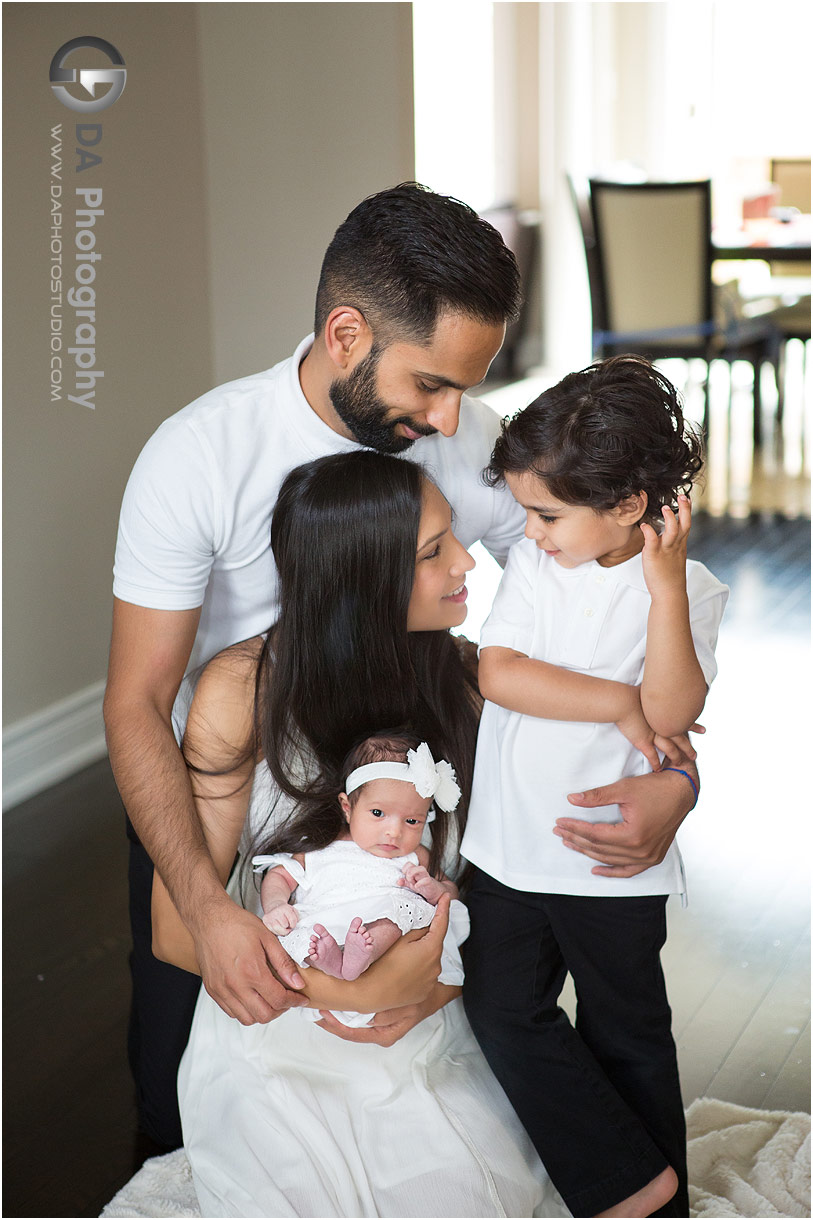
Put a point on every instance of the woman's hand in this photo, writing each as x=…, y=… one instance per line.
x=652, y=808
x=406, y=974
x=388, y=1027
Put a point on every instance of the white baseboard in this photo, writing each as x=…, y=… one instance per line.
x=52, y=744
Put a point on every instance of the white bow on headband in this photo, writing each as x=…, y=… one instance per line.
x=429, y=778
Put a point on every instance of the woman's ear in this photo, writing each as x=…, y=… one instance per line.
x=345, y=804
x=631, y=510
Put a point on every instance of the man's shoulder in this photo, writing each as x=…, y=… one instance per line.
x=234, y=399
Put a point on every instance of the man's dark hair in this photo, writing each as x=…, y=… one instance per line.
x=406, y=254
x=601, y=435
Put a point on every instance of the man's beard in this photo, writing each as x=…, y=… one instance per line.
x=356, y=402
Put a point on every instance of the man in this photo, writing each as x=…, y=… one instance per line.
x=413, y=298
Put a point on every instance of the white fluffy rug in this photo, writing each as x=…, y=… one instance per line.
x=747, y=1162
x=741, y=1163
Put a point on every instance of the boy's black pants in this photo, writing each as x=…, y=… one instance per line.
x=601, y=1101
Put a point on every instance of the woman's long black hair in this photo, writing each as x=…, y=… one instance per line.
x=339, y=663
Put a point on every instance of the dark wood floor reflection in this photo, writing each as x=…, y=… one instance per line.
x=69, y=1111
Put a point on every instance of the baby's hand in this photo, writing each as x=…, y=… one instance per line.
x=664, y=555
x=280, y=918
x=417, y=878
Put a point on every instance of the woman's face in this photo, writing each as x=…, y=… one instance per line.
x=439, y=593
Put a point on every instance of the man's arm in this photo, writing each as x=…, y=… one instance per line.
x=148, y=656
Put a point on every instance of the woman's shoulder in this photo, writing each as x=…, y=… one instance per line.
x=221, y=718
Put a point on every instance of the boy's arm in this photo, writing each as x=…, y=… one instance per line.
x=673, y=690
x=536, y=688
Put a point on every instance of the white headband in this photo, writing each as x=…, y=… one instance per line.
x=427, y=777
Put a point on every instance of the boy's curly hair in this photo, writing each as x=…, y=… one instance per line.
x=608, y=432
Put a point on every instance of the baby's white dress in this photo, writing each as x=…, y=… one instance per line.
x=342, y=881
x=286, y=1119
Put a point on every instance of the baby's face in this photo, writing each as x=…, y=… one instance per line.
x=388, y=817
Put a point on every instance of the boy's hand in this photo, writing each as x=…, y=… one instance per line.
x=664, y=555
x=636, y=730
x=418, y=879
x=280, y=918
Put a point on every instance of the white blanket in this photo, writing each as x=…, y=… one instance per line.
x=741, y=1163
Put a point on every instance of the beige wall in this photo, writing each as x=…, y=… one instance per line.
x=66, y=465
x=244, y=135
x=308, y=108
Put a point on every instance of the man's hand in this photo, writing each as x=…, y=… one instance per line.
x=241, y=964
x=652, y=808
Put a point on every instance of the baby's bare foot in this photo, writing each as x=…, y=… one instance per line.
x=325, y=953
x=358, y=950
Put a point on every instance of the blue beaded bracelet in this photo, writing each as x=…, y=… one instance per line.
x=689, y=778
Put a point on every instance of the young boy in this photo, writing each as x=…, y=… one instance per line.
x=599, y=648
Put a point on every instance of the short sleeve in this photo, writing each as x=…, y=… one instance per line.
x=707, y=601
x=169, y=522
x=262, y=864
x=511, y=621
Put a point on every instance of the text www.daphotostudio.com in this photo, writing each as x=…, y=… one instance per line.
x=73, y=263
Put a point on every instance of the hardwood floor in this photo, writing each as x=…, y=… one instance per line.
x=737, y=960
x=69, y=1109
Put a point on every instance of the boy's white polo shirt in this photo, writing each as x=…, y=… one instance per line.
x=195, y=523
x=589, y=619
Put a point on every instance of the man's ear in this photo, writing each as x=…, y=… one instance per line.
x=345, y=804
x=348, y=338
x=631, y=510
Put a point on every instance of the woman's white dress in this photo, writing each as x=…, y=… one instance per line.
x=286, y=1119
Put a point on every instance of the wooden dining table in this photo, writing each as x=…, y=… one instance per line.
x=770, y=240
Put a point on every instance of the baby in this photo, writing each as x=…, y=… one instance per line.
x=358, y=895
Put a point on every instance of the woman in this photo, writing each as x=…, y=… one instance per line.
x=282, y=1119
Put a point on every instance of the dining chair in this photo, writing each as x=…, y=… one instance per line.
x=792, y=176
x=520, y=232
x=649, y=255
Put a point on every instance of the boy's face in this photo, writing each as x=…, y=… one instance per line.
x=388, y=818
x=574, y=534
